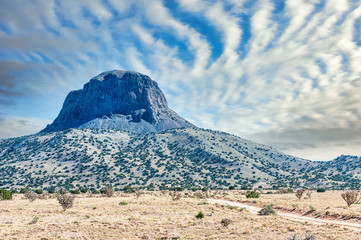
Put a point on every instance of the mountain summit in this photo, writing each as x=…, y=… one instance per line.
x=120, y=100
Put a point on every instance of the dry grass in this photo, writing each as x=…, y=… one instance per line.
x=153, y=216
x=328, y=204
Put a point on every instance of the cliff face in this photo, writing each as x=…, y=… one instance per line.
x=120, y=100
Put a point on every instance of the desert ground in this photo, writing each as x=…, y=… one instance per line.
x=154, y=215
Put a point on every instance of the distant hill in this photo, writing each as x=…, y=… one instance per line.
x=189, y=157
x=119, y=130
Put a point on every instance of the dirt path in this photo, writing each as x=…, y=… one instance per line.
x=294, y=217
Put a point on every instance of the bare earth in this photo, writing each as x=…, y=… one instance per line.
x=156, y=216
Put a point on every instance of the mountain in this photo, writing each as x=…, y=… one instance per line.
x=121, y=100
x=119, y=130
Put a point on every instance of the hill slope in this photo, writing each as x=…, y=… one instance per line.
x=179, y=157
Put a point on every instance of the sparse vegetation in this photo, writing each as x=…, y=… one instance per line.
x=34, y=220
x=267, y=210
x=66, y=201
x=226, y=222
x=31, y=196
x=200, y=215
x=5, y=194
x=123, y=203
x=253, y=194
x=299, y=193
x=351, y=197
x=175, y=195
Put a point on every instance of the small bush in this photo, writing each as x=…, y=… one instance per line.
x=74, y=191
x=253, y=194
x=200, y=215
x=109, y=192
x=39, y=191
x=5, y=195
x=128, y=189
x=351, y=197
x=35, y=220
x=226, y=221
x=66, y=201
x=95, y=192
x=175, y=195
x=321, y=190
x=123, y=203
x=24, y=190
x=267, y=210
x=299, y=193
x=31, y=196
x=83, y=190
x=312, y=209
x=307, y=236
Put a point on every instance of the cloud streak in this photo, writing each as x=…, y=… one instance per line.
x=284, y=73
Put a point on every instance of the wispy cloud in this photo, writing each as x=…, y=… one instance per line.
x=284, y=73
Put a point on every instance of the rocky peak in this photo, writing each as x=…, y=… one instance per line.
x=122, y=100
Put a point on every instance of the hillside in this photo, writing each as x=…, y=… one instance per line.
x=188, y=157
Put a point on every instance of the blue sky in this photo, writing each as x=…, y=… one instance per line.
x=283, y=73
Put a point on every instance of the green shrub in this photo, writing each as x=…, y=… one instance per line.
x=267, y=210
x=123, y=203
x=312, y=208
x=95, y=192
x=35, y=220
x=200, y=215
x=5, y=195
x=74, y=191
x=39, y=191
x=321, y=190
x=66, y=201
x=253, y=194
x=226, y=221
x=128, y=189
x=24, y=190
x=83, y=190
x=14, y=191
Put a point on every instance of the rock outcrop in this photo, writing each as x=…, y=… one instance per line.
x=121, y=100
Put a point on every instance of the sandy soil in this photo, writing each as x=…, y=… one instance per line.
x=293, y=217
x=152, y=216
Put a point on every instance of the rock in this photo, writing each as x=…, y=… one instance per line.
x=121, y=100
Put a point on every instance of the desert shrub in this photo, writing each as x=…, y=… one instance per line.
x=24, y=190
x=95, y=192
x=175, y=195
x=35, y=220
x=5, y=195
x=253, y=194
x=201, y=194
x=351, y=197
x=14, y=191
x=83, y=190
x=137, y=192
x=39, y=191
x=31, y=196
x=226, y=221
x=312, y=209
x=123, y=203
x=51, y=190
x=43, y=196
x=308, y=194
x=307, y=236
x=128, y=189
x=66, y=201
x=74, y=191
x=299, y=193
x=200, y=215
x=321, y=189
x=109, y=192
x=267, y=210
